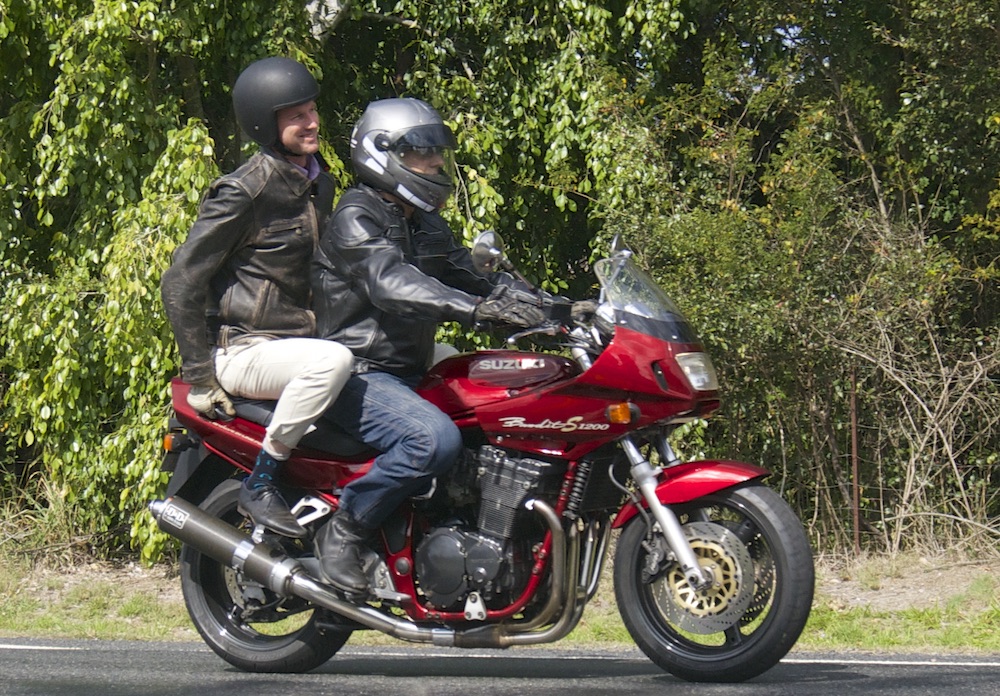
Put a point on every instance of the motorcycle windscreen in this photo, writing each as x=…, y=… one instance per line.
x=639, y=303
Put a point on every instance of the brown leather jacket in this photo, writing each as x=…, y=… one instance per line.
x=244, y=269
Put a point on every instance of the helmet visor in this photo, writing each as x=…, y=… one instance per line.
x=431, y=135
x=428, y=151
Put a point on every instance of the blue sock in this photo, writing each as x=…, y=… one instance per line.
x=265, y=471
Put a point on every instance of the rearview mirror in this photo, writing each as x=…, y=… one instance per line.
x=488, y=253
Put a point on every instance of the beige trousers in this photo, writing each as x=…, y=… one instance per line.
x=304, y=375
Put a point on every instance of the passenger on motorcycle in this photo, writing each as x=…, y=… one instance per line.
x=387, y=271
x=240, y=282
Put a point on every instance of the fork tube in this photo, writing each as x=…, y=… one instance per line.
x=645, y=476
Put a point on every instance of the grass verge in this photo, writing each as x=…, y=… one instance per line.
x=90, y=601
x=97, y=601
x=968, y=621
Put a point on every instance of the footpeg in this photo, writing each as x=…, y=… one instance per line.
x=310, y=509
x=381, y=583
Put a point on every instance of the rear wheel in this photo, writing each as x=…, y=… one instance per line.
x=246, y=624
x=751, y=616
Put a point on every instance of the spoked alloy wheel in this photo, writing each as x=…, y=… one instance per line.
x=246, y=624
x=761, y=565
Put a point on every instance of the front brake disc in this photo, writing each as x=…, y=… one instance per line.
x=721, y=604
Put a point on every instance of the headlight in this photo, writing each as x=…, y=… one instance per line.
x=699, y=371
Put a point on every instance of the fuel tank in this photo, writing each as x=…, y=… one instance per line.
x=464, y=382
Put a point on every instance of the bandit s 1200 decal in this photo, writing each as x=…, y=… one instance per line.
x=567, y=426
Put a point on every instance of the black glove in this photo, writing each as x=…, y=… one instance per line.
x=583, y=310
x=501, y=308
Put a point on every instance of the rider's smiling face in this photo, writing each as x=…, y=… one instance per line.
x=298, y=129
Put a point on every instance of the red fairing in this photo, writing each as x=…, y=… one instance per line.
x=692, y=480
x=545, y=404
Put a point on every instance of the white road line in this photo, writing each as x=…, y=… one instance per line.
x=889, y=663
x=590, y=656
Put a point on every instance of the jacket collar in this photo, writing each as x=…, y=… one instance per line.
x=293, y=175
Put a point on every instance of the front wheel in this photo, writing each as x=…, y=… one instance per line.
x=245, y=623
x=762, y=570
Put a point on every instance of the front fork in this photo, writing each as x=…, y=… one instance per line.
x=645, y=475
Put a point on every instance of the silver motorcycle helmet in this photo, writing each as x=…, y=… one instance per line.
x=402, y=146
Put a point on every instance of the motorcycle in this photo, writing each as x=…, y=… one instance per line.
x=567, y=455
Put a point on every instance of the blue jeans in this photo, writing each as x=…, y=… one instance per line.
x=416, y=439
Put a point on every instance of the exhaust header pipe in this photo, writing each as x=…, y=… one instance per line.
x=284, y=575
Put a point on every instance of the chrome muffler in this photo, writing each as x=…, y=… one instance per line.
x=273, y=568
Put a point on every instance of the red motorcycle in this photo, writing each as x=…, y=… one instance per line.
x=713, y=573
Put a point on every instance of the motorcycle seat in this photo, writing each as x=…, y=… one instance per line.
x=323, y=435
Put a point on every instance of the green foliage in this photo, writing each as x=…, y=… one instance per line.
x=816, y=183
x=537, y=96
x=809, y=241
x=105, y=155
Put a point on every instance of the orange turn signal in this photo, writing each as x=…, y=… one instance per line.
x=168, y=442
x=623, y=413
x=177, y=441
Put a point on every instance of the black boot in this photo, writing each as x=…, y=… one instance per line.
x=339, y=545
x=265, y=506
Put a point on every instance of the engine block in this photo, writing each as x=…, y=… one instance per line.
x=504, y=484
x=454, y=560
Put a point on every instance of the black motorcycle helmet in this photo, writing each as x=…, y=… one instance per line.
x=385, y=138
x=266, y=86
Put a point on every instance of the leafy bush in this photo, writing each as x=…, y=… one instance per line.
x=819, y=189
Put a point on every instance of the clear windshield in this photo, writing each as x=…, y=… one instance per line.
x=638, y=302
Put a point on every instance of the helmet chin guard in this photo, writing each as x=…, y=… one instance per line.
x=403, y=147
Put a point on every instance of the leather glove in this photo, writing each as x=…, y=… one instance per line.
x=583, y=310
x=207, y=396
x=501, y=308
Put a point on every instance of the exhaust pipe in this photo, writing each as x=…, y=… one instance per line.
x=226, y=544
x=284, y=575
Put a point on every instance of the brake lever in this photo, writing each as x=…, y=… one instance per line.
x=549, y=328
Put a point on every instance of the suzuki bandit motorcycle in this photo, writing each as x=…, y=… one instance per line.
x=567, y=456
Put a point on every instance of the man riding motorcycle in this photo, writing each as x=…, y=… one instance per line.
x=387, y=271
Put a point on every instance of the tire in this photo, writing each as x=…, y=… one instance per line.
x=743, y=625
x=284, y=635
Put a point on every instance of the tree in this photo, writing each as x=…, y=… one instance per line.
x=114, y=128
x=816, y=182
x=122, y=117
x=835, y=217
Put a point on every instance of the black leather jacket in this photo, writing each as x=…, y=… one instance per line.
x=382, y=283
x=244, y=268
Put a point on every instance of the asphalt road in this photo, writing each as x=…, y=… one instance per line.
x=103, y=668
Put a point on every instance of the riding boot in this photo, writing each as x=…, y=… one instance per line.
x=339, y=545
